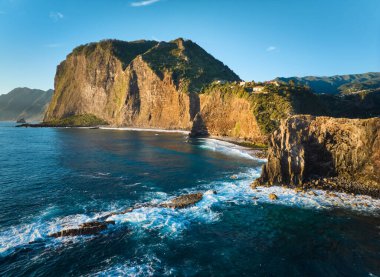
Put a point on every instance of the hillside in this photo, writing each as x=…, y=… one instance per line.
x=26, y=103
x=338, y=84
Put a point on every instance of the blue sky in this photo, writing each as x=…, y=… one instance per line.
x=258, y=39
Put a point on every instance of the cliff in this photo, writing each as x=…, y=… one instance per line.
x=26, y=103
x=141, y=83
x=333, y=153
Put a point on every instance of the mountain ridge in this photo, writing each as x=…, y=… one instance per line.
x=24, y=102
x=337, y=84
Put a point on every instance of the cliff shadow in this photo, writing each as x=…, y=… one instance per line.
x=199, y=128
x=195, y=105
x=319, y=162
x=132, y=100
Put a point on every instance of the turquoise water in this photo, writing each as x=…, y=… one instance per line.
x=52, y=179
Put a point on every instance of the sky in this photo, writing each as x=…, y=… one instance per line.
x=258, y=39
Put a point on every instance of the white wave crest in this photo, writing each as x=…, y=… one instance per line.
x=228, y=148
x=170, y=223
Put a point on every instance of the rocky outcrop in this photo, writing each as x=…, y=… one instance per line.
x=183, y=201
x=333, y=153
x=88, y=228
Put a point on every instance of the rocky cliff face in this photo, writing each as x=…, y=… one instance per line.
x=230, y=115
x=340, y=153
x=142, y=83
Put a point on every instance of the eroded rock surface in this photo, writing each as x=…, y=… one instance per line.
x=183, y=201
x=88, y=228
x=332, y=153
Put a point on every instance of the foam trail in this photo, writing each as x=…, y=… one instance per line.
x=148, y=266
x=228, y=148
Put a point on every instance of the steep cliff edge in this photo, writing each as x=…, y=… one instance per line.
x=227, y=115
x=333, y=153
x=141, y=83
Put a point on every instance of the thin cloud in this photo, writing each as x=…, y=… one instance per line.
x=271, y=48
x=144, y=3
x=55, y=16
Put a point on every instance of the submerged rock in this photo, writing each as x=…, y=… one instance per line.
x=183, y=201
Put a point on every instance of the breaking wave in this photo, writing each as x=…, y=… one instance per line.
x=228, y=148
x=170, y=223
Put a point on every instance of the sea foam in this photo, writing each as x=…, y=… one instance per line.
x=170, y=223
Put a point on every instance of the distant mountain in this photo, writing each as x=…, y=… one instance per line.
x=345, y=84
x=26, y=103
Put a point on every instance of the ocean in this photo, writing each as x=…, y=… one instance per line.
x=57, y=178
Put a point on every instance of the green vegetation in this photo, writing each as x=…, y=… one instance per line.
x=365, y=104
x=276, y=101
x=84, y=120
x=191, y=67
x=272, y=103
x=123, y=50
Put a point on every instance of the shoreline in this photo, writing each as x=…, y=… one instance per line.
x=331, y=185
x=254, y=150
x=138, y=129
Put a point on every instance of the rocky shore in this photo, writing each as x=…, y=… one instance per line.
x=337, y=154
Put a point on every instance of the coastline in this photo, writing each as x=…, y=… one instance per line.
x=255, y=151
x=137, y=129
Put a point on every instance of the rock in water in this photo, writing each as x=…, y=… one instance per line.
x=272, y=196
x=22, y=120
x=87, y=228
x=199, y=128
x=183, y=201
x=312, y=148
